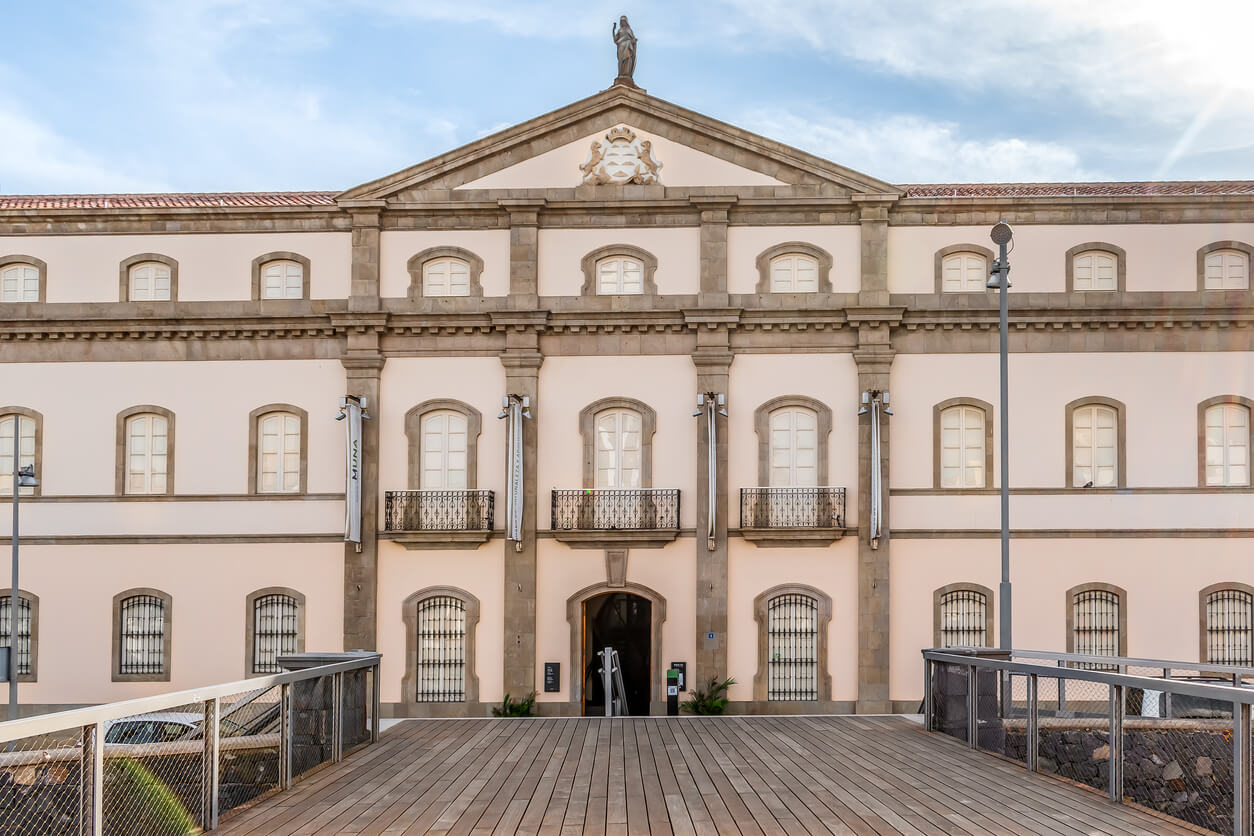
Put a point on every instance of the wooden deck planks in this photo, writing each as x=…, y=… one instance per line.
x=851, y=776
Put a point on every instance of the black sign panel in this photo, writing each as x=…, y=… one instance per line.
x=682, y=667
x=552, y=677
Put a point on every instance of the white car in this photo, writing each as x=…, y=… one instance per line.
x=158, y=727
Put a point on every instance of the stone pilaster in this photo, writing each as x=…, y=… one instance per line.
x=524, y=252
x=364, y=288
x=873, y=218
x=714, y=211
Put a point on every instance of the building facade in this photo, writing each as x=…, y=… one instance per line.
x=173, y=364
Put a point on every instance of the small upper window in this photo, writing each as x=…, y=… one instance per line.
x=794, y=273
x=1228, y=444
x=620, y=275
x=1095, y=270
x=446, y=277
x=282, y=280
x=19, y=283
x=1227, y=270
x=964, y=273
x=149, y=282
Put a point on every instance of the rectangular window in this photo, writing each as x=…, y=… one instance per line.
x=25, y=452
x=962, y=454
x=446, y=277
x=1094, y=447
x=278, y=453
x=1228, y=445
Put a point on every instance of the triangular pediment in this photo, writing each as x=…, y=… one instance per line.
x=546, y=153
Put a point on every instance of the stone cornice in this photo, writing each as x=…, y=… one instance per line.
x=874, y=315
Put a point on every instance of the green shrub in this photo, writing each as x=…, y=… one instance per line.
x=709, y=700
x=522, y=708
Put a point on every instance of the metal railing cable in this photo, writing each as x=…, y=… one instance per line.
x=1180, y=747
x=174, y=763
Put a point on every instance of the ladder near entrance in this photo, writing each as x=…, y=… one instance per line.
x=612, y=680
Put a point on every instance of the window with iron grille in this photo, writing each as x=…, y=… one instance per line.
x=792, y=638
x=963, y=618
x=142, y=635
x=1095, y=622
x=441, y=649
x=1228, y=627
x=276, y=631
x=22, y=652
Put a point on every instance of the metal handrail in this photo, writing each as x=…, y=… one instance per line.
x=48, y=723
x=1136, y=662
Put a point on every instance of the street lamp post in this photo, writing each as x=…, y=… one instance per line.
x=999, y=278
x=23, y=477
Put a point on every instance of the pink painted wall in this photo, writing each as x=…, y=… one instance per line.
x=677, y=251
x=397, y=247
x=212, y=267
x=745, y=243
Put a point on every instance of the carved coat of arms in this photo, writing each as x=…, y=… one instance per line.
x=621, y=158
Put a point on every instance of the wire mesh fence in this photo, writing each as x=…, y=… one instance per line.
x=248, y=747
x=40, y=784
x=1001, y=714
x=313, y=732
x=355, y=714
x=153, y=772
x=1073, y=736
x=1182, y=768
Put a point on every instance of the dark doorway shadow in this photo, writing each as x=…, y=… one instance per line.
x=624, y=622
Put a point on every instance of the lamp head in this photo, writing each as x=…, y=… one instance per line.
x=1001, y=233
x=26, y=477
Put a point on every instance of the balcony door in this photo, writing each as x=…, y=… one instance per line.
x=618, y=468
x=794, y=464
x=443, y=470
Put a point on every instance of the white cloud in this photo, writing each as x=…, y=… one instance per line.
x=910, y=149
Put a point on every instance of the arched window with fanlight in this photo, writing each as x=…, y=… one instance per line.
x=440, y=627
x=794, y=273
x=148, y=277
x=28, y=425
x=619, y=270
x=22, y=278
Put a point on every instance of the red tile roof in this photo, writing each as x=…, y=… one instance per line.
x=213, y=200
x=191, y=200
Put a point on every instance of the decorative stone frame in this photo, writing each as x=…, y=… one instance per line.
x=38, y=418
x=587, y=430
x=409, y=614
x=762, y=426
x=1123, y=612
x=939, y=594
x=1239, y=246
x=167, y=638
x=574, y=617
x=1235, y=400
x=280, y=255
x=823, y=606
x=1121, y=440
x=1121, y=265
x=119, y=482
x=943, y=252
x=822, y=256
x=124, y=275
x=1203, y=650
x=413, y=433
x=416, y=264
x=33, y=600
x=30, y=261
x=937, y=411
x=589, y=266
x=250, y=623
x=254, y=419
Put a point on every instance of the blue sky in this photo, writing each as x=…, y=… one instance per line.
x=223, y=95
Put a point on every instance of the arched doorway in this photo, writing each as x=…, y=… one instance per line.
x=623, y=621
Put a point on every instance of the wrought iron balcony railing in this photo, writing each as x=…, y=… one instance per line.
x=610, y=510
x=792, y=507
x=438, y=511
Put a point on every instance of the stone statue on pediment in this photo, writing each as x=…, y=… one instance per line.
x=625, y=40
x=621, y=159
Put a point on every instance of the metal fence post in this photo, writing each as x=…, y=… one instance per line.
x=285, y=736
x=91, y=782
x=928, y=708
x=337, y=717
x=209, y=767
x=1167, y=695
x=1241, y=813
x=973, y=713
x=1115, y=762
x=1031, y=730
x=374, y=704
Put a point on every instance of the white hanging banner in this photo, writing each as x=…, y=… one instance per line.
x=351, y=408
x=876, y=403
x=514, y=408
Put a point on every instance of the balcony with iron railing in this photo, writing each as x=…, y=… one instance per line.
x=605, y=518
x=427, y=519
x=792, y=516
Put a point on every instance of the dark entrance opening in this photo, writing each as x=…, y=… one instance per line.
x=624, y=622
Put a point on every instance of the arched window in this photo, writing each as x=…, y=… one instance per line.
x=1227, y=440
x=794, y=273
x=148, y=281
x=963, y=616
x=24, y=650
x=794, y=447
x=282, y=280
x=146, y=467
x=964, y=272
x=21, y=279
x=441, y=643
x=276, y=628
x=449, y=276
x=1095, y=266
x=792, y=652
x=1228, y=610
x=620, y=275
x=619, y=462
x=444, y=446
x=279, y=452
x=1097, y=620
x=1095, y=431
x=142, y=635
x=1227, y=270
x=964, y=449
x=27, y=426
